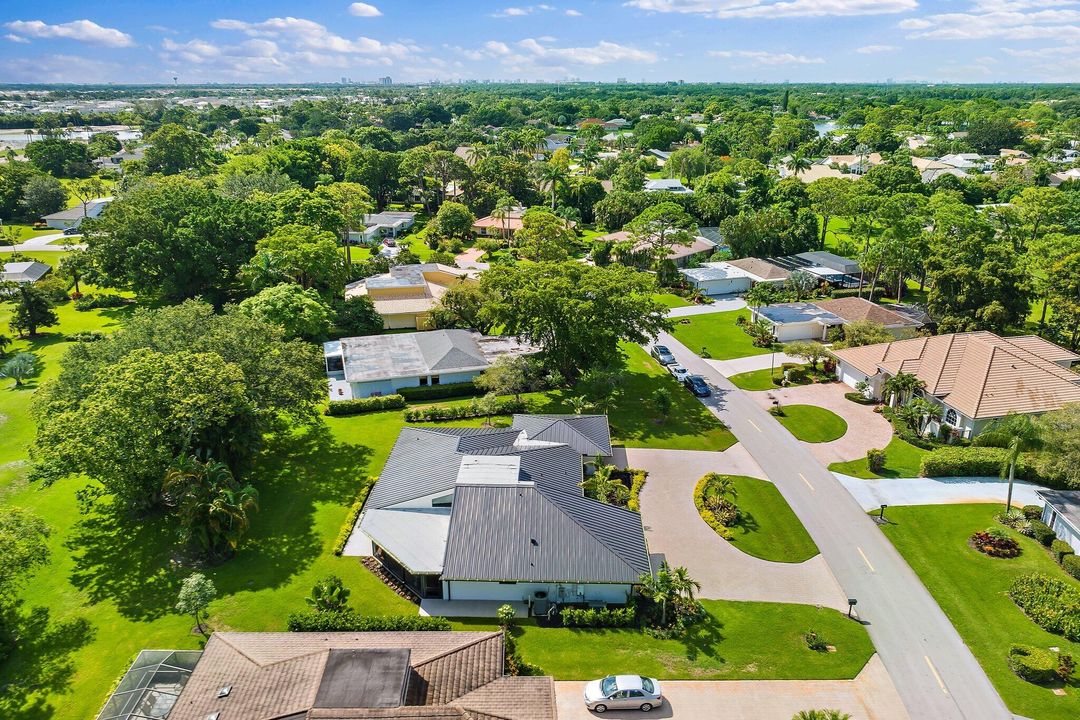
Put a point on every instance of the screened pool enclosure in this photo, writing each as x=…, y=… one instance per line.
x=151, y=685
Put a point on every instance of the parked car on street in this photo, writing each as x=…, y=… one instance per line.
x=662, y=355
x=678, y=371
x=697, y=385
x=71, y=231
x=622, y=692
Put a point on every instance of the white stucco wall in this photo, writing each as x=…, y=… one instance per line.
x=522, y=591
x=389, y=387
x=1064, y=531
x=727, y=286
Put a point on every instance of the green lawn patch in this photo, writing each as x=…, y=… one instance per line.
x=902, y=459
x=811, y=423
x=671, y=300
x=971, y=587
x=718, y=334
x=769, y=528
x=736, y=641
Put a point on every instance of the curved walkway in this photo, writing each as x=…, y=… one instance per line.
x=674, y=528
x=866, y=428
x=45, y=243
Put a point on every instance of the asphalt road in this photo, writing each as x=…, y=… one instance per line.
x=936, y=675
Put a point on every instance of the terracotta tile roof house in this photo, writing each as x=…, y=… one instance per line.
x=493, y=226
x=400, y=675
x=976, y=376
x=855, y=309
x=406, y=295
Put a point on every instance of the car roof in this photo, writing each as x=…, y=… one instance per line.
x=661, y=348
x=628, y=682
x=697, y=378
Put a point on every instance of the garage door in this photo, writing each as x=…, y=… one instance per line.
x=849, y=375
x=727, y=286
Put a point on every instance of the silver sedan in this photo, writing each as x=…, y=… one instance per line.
x=621, y=692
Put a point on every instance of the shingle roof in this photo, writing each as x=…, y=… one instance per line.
x=761, y=268
x=979, y=374
x=855, y=309
x=276, y=675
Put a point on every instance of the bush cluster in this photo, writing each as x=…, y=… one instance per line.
x=1052, y=604
x=90, y=301
x=1059, y=549
x=637, y=483
x=338, y=408
x=435, y=413
x=1032, y=512
x=439, y=392
x=598, y=617
x=350, y=519
x=1033, y=664
x=86, y=336
x=1071, y=565
x=351, y=621
x=1043, y=533
x=853, y=292
x=974, y=461
x=815, y=641
x=858, y=397
x=995, y=542
x=706, y=514
x=875, y=460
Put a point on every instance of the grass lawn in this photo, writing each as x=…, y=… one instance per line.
x=756, y=380
x=671, y=300
x=718, y=334
x=769, y=529
x=25, y=232
x=902, y=460
x=810, y=423
x=737, y=641
x=971, y=587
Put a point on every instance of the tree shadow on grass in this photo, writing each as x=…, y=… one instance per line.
x=703, y=639
x=41, y=665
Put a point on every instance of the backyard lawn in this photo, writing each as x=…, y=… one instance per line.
x=718, y=335
x=971, y=587
x=736, y=641
x=769, y=528
x=902, y=460
x=813, y=424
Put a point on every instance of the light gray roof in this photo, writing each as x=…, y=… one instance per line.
x=588, y=434
x=715, y=271
x=798, y=312
x=24, y=272
x=831, y=260
x=399, y=355
x=1066, y=502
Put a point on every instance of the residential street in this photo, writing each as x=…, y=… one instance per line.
x=934, y=672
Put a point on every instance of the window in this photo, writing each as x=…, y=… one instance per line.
x=635, y=693
x=647, y=683
x=607, y=686
x=434, y=379
x=423, y=379
x=950, y=417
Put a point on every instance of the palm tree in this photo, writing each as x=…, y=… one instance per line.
x=602, y=486
x=503, y=209
x=579, y=404
x=684, y=585
x=550, y=176
x=660, y=588
x=761, y=331
x=228, y=513
x=213, y=508
x=902, y=386
x=799, y=164
x=718, y=488
x=1017, y=434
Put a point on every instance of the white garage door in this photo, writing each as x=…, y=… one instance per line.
x=727, y=286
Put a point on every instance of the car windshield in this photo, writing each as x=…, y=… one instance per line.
x=607, y=685
x=662, y=350
x=647, y=685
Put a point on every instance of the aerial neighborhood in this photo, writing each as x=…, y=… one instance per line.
x=516, y=400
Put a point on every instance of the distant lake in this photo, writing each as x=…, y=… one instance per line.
x=19, y=138
x=824, y=127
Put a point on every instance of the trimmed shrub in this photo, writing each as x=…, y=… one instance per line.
x=637, y=482
x=995, y=542
x=1043, y=533
x=707, y=514
x=86, y=336
x=815, y=642
x=338, y=408
x=1071, y=565
x=438, y=392
x=350, y=519
x=854, y=292
x=1013, y=518
x=1052, y=604
x=1059, y=549
x=96, y=302
x=858, y=397
x=598, y=617
x=875, y=460
x=436, y=413
x=976, y=461
x=1033, y=664
x=351, y=621
x=1032, y=512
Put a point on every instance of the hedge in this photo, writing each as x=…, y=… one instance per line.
x=95, y=302
x=854, y=292
x=598, y=618
x=351, y=621
x=435, y=413
x=1059, y=549
x=637, y=482
x=1032, y=512
x=337, y=408
x=1052, y=604
x=974, y=461
x=1033, y=664
x=706, y=514
x=438, y=392
x=858, y=397
x=1043, y=533
x=1071, y=565
x=350, y=519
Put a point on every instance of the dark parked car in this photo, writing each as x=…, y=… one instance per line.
x=72, y=230
x=662, y=355
x=697, y=385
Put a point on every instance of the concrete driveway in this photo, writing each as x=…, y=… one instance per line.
x=871, y=494
x=674, y=528
x=735, y=366
x=866, y=428
x=870, y=696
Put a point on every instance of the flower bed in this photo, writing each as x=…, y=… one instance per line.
x=995, y=542
x=1053, y=605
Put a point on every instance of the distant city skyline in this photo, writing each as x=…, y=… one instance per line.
x=594, y=40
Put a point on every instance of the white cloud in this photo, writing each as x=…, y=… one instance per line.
x=602, y=53
x=775, y=8
x=1011, y=24
x=310, y=35
x=17, y=39
x=512, y=12
x=56, y=68
x=85, y=31
x=361, y=9
x=573, y=13
x=873, y=49
x=763, y=57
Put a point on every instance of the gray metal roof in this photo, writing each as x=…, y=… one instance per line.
x=798, y=312
x=1066, y=502
x=588, y=434
x=24, y=272
x=830, y=260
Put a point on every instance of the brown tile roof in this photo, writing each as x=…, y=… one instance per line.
x=855, y=309
x=980, y=374
x=762, y=268
x=278, y=675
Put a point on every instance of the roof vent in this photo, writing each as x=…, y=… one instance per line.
x=224, y=691
x=532, y=541
x=213, y=716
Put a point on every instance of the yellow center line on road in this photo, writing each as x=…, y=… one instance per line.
x=865, y=559
x=806, y=481
x=754, y=424
x=936, y=675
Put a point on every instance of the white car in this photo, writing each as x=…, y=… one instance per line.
x=622, y=692
x=678, y=371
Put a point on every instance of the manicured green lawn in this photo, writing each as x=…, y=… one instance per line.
x=756, y=380
x=671, y=300
x=769, y=528
x=718, y=334
x=26, y=232
x=737, y=641
x=810, y=423
x=902, y=459
x=971, y=587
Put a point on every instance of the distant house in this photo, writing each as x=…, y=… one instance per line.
x=359, y=367
x=718, y=278
x=671, y=185
x=24, y=273
x=760, y=270
x=115, y=162
x=390, y=223
x=557, y=141
x=1061, y=511
x=975, y=377
x=681, y=255
x=73, y=217
x=828, y=267
x=495, y=226
x=813, y=320
x=454, y=675
x=660, y=155
x=406, y=295
x=499, y=515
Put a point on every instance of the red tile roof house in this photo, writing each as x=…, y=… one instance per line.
x=975, y=377
x=701, y=247
x=494, y=226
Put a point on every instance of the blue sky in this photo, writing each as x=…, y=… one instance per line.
x=409, y=40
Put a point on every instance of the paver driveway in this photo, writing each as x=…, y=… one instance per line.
x=674, y=528
x=870, y=696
